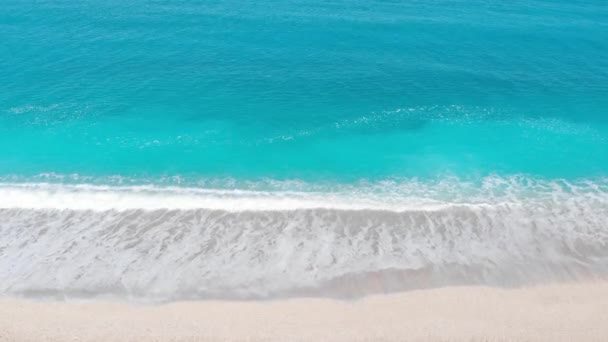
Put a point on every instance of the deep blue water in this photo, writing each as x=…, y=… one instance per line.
x=307, y=90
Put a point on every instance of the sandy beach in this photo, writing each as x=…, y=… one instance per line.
x=561, y=312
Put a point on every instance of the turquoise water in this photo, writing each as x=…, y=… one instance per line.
x=331, y=91
x=269, y=148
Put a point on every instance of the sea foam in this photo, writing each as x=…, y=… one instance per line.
x=153, y=243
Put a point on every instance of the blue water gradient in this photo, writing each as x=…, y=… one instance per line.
x=318, y=91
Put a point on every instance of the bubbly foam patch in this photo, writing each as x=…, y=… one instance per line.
x=150, y=243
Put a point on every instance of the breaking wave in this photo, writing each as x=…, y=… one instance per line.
x=169, y=243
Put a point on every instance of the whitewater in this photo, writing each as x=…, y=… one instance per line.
x=151, y=243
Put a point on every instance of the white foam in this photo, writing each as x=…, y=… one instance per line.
x=394, y=195
x=100, y=198
x=169, y=243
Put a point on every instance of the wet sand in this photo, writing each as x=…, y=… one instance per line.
x=562, y=312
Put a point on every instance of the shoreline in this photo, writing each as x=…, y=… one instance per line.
x=553, y=312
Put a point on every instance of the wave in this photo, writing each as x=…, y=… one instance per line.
x=151, y=243
x=52, y=191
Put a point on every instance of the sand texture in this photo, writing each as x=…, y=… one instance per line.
x=564, y=312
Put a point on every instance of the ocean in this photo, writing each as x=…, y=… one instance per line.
x=186, y=149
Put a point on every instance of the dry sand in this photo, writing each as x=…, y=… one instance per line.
x=565, y=312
